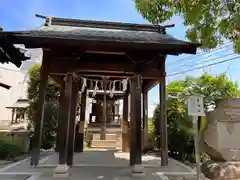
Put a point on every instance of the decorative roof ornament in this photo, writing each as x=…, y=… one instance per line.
x=48, y=21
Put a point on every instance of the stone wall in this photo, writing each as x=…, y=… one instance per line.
x=223, y=132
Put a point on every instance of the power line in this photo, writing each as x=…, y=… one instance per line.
x=202, y=62
x=200, y=54
x=194, y=59
x=198, y=60
x=204, y=66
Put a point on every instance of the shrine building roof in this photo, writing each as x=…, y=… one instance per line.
x=136, y=36
x=10, y=53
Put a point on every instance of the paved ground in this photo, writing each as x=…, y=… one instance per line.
x=14, y=177
x=94, y=165
x=3, y=162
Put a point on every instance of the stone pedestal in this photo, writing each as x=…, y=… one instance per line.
x=138, y=171
x=61, y=171
x=223, y=131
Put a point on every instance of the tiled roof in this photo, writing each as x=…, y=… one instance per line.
x=99, y=34
x=9, y=53
x=103, y=31
x=73, y=29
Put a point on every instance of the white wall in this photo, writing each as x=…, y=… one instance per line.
x=15, y=79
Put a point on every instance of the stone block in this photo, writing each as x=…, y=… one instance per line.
x=138, y=171
x=61, y=171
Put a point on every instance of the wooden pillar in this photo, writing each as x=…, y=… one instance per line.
x=135, y=122
x=72, y=124
x=65, y=108
x=82, y=120
x=13, y=112
x=125, y=126
x=145, y=117
x=104, y=121
x=37, y=138
x=163, y=118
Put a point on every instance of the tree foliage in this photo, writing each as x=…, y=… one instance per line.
x=209, y=22
x=51, y=106
x=180, y=133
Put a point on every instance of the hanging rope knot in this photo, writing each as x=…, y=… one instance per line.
x=138, y=79
x=84, y=85
x=95, y=89
x=76, y=78
x=113, y=89
x=66, y=82
x=125, y=83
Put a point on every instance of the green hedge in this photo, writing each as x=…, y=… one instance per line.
x=9, y=150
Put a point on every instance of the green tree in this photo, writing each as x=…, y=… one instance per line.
x=180, y=134
x=51, y=106
x=209, y=22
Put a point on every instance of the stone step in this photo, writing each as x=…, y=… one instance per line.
x=104, y=142
x=107, y=144
x=96, y=136
x=104, y=147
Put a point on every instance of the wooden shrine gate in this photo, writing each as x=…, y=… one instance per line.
x=95, y=50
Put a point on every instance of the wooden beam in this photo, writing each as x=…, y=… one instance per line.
x=100, y=97
x=82, y=120
x=150, y=71
x=148, y=84
x=135, y=122
x=65, y=108
x=37, y=138
x=72, y=124
x=125, y=125
x=163, y=119
x=57, y=79
x=104, y=120
x=145, y=117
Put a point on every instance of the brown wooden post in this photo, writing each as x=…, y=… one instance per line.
x=135, y=122
x=72, y=124
x=163, y=118
x=37, y=138
x=60, y=119
x=104, y=120
x=13, y=112
x=65, y=108
x=82, y=120
x=145, y=117
x=125, y=126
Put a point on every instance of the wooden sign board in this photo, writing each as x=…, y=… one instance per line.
x=195, y=106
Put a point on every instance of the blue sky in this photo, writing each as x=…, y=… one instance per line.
x=16, y=15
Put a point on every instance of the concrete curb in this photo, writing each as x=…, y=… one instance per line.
x=33, y=175
x=13, y=164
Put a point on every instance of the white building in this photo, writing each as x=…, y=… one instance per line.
x=17, y=79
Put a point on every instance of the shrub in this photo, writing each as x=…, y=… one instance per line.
x=180, y=137
x=9, y=149
x=150, y=146
x=51, y=106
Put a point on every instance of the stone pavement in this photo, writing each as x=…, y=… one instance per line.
x=92, y=165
